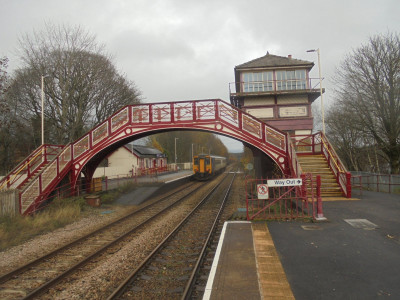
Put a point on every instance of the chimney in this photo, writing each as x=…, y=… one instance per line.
x=290, y=56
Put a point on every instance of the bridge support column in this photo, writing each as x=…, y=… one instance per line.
x=264, y=166
x=88, y=171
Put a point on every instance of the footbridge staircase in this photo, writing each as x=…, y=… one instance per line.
x=37, y=176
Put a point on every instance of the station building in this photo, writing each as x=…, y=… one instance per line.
x=131, y=160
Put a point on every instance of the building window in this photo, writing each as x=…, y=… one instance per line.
x=258, y=82
x=291, y=80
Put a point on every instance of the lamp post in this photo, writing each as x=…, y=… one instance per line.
x=43, y=77
x=320, y=87
x=175, y=150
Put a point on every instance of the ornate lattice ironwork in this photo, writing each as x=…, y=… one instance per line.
x=119, y=120
x=183, y=111
x=81, y=146
x=228, y=114
x=252, y=126
x=140, y=114
x=275, y=138
x=100, y=133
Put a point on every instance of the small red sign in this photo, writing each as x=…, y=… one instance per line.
x=262, y=190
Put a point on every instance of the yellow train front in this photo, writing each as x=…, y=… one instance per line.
x=206, y=166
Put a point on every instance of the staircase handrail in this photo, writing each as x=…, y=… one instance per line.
x=295, y=167
x=41, y=150
x=42, y=185
x=343, y=177
x=333, y=154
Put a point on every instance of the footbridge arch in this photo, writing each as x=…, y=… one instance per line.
x=135, y=121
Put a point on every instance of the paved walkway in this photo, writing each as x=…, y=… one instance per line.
x=355, y=255
x=246, y=265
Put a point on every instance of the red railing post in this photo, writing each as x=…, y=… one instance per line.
x=313, y=144
x=303, y=187
x=348, y=184
x=216, y=109
x=318, y=186
x=320, y=214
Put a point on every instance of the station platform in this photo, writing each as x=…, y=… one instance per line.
x=166, y=177
x=246, y=265
x=354, y=255
x=149, y=185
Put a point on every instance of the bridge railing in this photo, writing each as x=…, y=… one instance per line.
x=31, y=164
x=29, y=197
x=139, y=118
x=319, y=144
x=170, y=113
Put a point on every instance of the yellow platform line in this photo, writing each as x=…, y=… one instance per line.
x=272, y=278
x=338, y=199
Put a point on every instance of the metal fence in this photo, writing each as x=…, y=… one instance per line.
x=387, y=183
x=264, y=202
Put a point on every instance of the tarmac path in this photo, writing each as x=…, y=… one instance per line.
x=355, y=255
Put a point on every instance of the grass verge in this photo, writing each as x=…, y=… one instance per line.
x=61, y=212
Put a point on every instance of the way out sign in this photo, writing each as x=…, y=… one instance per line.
x=262, y=191
x=284, y=182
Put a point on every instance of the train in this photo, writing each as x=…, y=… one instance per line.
x=206, y=166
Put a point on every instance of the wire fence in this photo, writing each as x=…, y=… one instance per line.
x=387, y=183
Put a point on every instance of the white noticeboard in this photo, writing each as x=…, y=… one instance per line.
x=284, y=182
x=262, y=191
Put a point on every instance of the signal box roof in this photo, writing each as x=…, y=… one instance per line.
x=271, y=61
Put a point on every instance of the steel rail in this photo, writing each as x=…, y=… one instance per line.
x=46, y=286
x=120, y=290
x=189, y=286
x=31, y=264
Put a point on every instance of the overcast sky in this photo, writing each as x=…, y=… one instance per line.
x=182, y=50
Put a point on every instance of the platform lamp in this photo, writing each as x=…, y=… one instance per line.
x=320, y=87
x=43, y=77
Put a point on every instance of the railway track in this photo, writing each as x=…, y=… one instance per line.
x=37, y=277
x=175, y=268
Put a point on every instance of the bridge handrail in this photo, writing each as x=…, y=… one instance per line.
x=43, y=180
x=333, y=154
x=25, y=165
x=136, y=116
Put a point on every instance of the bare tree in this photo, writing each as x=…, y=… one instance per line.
x=11, y=133
x=81, y=85
x=4, y=116
x=368, y=90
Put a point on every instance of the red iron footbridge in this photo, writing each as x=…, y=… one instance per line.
x=45, y=168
